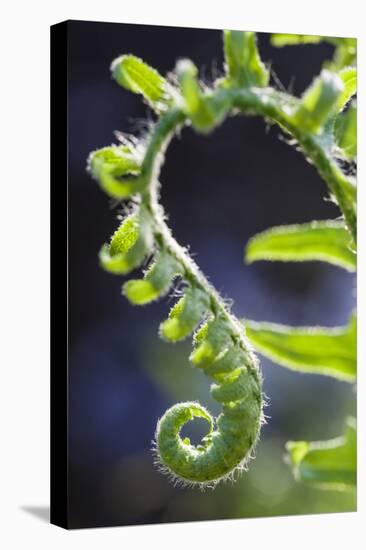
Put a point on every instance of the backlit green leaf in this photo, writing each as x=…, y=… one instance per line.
x=156, y=282
x=345, y=48
x=117, y=169
x=114, y=257
x=348, y=76
x=319, y=102
x=195, y=103
x=125, y=236
x=243, y=63
x=185, y=315
x=211, y=339
x=318, y=350
x=205, y=109
x=280, y=40
x=345, y=130
x=328, y=464
x=345, y=52
x=129, y=245
x=138, y=77
x=327, y=241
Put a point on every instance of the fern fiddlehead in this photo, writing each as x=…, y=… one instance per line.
x=131, y=169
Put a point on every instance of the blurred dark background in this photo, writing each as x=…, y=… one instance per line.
x=219, y=191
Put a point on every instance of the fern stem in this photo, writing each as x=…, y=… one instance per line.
x=265, y=102
x=159, y=141
x=221, y=347
x=274, y=105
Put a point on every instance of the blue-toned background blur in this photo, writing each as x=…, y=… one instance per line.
x=218, y=190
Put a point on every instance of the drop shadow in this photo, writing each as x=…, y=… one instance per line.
x=40, y=512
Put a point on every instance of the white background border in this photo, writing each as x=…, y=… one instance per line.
x=24, y=305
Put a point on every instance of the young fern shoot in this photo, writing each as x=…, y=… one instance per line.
x=220, y=346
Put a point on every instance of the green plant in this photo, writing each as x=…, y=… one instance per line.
x=324, y=129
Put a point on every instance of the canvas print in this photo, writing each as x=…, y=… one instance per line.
x=204, y=184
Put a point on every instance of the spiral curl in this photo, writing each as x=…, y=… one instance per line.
x=132, y=168
x=237, y=388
